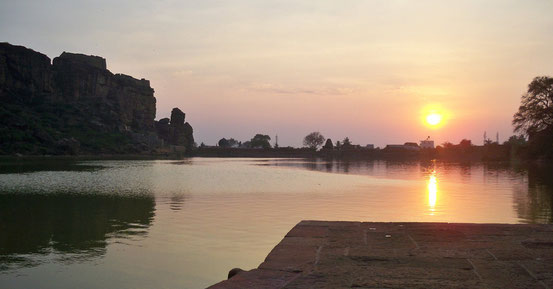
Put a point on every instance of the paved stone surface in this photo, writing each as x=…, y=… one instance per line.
x=316, y=254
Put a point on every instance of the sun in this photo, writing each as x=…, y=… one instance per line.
x=434, y=119
x=434, y=116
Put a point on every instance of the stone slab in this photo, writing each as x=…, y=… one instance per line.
x=322, y=254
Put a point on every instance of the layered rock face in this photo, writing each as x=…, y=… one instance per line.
x=175, y=131
x=24, y=74
x=75, y=100
x=121, y=101
x=126, y=103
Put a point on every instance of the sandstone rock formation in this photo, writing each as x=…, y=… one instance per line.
x=175, y=131
x=24, y=74
x=123, y=102
x=77, y=98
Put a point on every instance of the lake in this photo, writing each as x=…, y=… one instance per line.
x=186, y=223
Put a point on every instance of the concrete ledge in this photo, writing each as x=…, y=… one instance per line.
x=319, y=254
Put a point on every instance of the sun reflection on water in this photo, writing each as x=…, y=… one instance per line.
x=432, y=192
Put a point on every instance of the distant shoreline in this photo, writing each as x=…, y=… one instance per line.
x=476, y=154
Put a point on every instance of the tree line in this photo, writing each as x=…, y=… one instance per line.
x=314, y=140
x=261, y=141
x=533, y=127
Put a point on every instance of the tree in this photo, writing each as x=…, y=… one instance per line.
x=233, y=143
x=447, y=145
x=328, y=145
x=465, y=143
x=515, y=140
x=228, y=143
x=260, y=141
x=314, y=140
x=535, y=113
x=346, y=142
x=224, y=143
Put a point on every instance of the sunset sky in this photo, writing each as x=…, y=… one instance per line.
x=369, y=70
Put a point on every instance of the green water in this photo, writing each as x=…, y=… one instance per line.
x=184, y=224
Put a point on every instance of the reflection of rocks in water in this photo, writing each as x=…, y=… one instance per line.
x=183, y=162
x=11, y=166
x=77, y=226
x=176, y=203
x=534, y=204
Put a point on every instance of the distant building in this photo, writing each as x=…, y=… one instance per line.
x=370, y=146
x=427, y=144
x=394, y=147
x=408, y=146
x=412, y=146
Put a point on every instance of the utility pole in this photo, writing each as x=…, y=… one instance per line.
x=276, y=141
x=485, y=138
x=497, y=137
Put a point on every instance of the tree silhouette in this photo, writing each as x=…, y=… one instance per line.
x=535, y=113
x=515, y=140
x=223, y=143
x=260, y=141
x=465, y=143
x=346, y=142
x=233, y=143
x=535, y=117
x=314, y=140
x=328, y=145
x=228, y=143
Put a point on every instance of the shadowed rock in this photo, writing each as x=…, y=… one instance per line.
x=177, y=117
x=24, y=74
x=120, y=102
x=76, y=103
x=234, y=271
x=176, y=131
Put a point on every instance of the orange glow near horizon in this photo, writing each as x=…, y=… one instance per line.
x=370, y=70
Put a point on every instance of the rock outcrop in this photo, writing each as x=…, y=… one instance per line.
x=128, y=104
x=175, y=131
x=75, y=104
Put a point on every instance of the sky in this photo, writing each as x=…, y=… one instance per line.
x=367, y=70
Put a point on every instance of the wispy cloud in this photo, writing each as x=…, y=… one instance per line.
x=293, y=90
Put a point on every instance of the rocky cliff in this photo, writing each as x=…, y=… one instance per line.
x=76, y=105
x=24, y=74
x=118, y=101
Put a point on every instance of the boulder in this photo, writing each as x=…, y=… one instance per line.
x=189, y=136
x=177, y=117
x=233, y=272
x=175, y=131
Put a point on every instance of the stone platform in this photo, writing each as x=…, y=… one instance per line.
x=316, y=254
